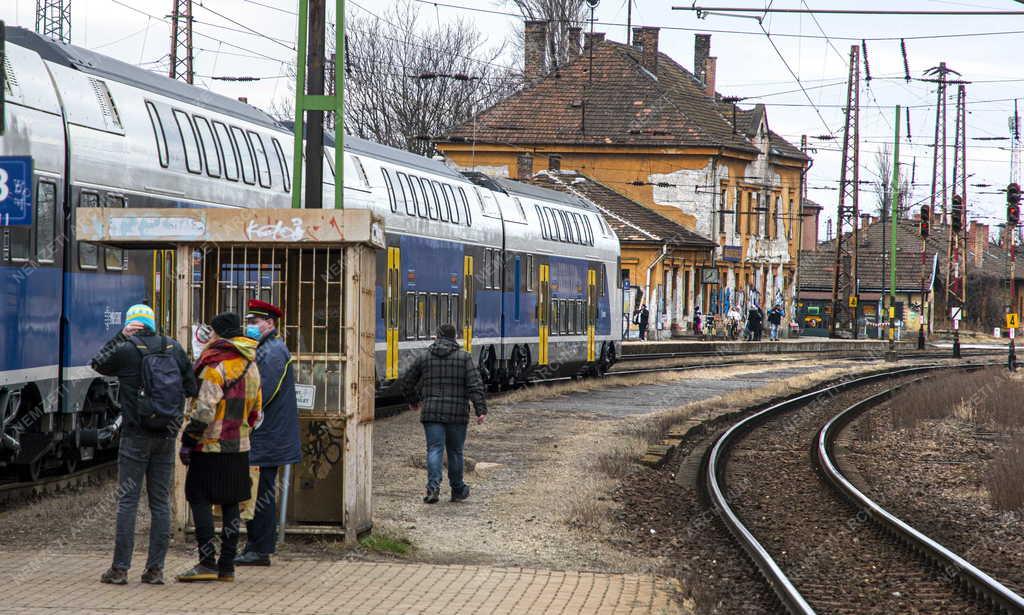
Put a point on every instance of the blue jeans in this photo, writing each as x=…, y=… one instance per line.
x=441, y=436
x=150, y=458
x=261, y=532
x=774, y=332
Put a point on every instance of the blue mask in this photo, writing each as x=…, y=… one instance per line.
x=253, y=331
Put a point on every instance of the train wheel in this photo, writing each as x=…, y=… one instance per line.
x=520, y=364
x=70, y=463
x=30, y=472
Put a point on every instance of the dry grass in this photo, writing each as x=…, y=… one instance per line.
x=618, y=460
x=986, y=398
x=586, y=508
x=1003, y=478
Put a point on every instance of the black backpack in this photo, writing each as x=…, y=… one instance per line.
x=161, y=390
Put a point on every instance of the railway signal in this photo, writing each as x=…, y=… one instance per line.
x=926, y=214
x=1012, y=205
x=957, y=214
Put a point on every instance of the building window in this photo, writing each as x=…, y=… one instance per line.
x=555, y=162
x=721, y=211
x=736, y=212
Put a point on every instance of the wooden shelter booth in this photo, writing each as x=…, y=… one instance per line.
x=319, y=267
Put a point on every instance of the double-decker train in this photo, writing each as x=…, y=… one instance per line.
x=527, y=275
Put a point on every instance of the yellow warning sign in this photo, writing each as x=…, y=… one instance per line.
x=1012, y=321
x=853, y=301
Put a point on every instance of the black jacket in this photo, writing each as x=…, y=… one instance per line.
x=120, y=358
x=444, y=379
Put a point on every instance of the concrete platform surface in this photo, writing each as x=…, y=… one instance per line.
x=69, y=583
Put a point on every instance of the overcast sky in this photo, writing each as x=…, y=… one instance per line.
x=137, y=31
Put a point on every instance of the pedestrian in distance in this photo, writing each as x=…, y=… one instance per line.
x=440, y=385
x=215, y=444
x=754, y=324
x=697, y=322
x=276, y=443
x=642, y=318
x=155, y=378
x=774, y=321
x=734, y=322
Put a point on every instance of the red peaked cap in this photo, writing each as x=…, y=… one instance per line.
x=262, y=309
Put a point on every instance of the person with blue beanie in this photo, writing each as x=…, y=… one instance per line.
x=155, y=377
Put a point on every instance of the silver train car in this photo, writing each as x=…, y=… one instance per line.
x=527, y=275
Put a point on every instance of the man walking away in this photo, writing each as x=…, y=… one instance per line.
x=440, y=384
x=155, y=377
x=276, y=443
x=642, y=318
x=215, y=444
x=774, y=320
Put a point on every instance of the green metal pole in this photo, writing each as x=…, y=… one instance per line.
x=894, y=215
x=300, y=107
x=339, y=105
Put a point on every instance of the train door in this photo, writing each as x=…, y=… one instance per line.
x=163, y=297
x=544, y=313
x=468, y=303
x=392, y=303
x=591, y=314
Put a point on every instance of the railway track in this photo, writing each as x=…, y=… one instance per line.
x=816, y=552
x=16, y=492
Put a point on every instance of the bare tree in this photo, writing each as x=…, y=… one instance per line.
x=883, y=184
x=407, y=82
x=560, y=15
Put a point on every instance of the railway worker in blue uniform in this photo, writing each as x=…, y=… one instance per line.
x=276, y=443
x=148, y=433
x=440, y=384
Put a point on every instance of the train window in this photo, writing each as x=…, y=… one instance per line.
x=556, y=226
x=496, y=270
x=423, y=204
x=228, y=148
x=443, y=207
x=390, y=188
x=113, y=258
x=529, y=273
x=421, y=311
x=88, y=253
x=262, y=161
x=429, y=198
x=407, y=194
x=245, y=152
x=453, y=210
x=601, y=290
x=543, y=222
x=158, y=134
x=520, y=209
x=193, y=162
x=211, y=152
x=410, y=316
x=46, y=219
x=435, y=312
x=417, y=196
x=282, y=163
x=581, y=232
x=589, y=229
x=569, y=228
x=465, y=207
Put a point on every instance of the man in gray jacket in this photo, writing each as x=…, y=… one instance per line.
x=440, y=384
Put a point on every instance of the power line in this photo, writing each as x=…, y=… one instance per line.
x=809, y=11
x=242, y=25
x=797, y=79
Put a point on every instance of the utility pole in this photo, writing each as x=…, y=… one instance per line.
x=331, y=75
x=893, y=216
x=845, y=280
x=956, y=292
x=181, y=42
x=1012, y=219
x=53, y=19
x=941, y=80
x=800, y=231
x=1015, y=147
x=311, y=103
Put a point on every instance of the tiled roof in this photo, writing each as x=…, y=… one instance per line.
x=624, y=104
x=817, y=270
x=631, y=221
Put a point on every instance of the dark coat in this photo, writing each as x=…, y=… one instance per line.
x=276, y=441
x=444, y=380
x=775, y=317
x=643, y=316
x=121, y=359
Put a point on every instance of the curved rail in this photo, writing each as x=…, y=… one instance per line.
x=784, y=589
x=953, y=564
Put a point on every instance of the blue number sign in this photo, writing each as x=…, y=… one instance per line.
x=15, y=190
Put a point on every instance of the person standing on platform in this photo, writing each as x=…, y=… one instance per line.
x=215, y=444
x=439, y=385
x=155, y=377
x=774, y=320
x=642, y=318
x=276, y=443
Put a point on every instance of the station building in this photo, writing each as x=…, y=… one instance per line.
x=661, y=136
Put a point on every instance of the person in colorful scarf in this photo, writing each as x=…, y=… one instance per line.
x=215, y=444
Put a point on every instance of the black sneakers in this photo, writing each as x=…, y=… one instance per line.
x=458, y=497
x=251, y=558
x=433, y=495
x=153, y=576
x=115, y=576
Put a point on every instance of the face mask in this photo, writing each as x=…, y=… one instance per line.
x=253, y=331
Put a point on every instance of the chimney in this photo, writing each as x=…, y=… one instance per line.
x=535, y=40
x=524, y=166
x=709, y=75
x=646, y=40
x=243, y=99
x=701, y=51
x=574, y=42
x=592, y=39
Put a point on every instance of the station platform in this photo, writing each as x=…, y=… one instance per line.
x=784, y=346
x=49, y=582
